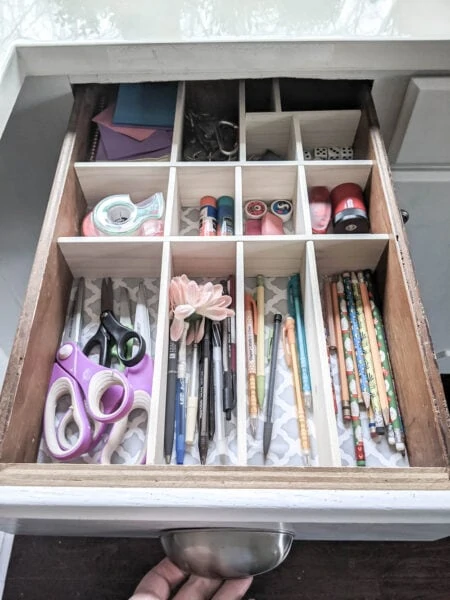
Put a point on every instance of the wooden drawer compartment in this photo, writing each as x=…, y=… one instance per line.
x=62, y=255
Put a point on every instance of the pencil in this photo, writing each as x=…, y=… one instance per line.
x=329, y=315
x=250, y=318
x=350, y=367
x=372, y=337
x=394, y=411
x=290, y=353
x=345, y=397
x=260, y=352
x=380, y=417
x=356, y=339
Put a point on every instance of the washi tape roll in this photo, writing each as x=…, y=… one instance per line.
x=349, y=209
x=255, y=209
x=282, y=209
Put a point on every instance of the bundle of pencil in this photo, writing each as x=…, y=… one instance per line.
x=355, y=332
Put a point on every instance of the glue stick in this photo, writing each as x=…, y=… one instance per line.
x=208, y=216
x=225, y=215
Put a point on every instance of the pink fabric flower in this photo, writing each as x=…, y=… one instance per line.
x=192, y=301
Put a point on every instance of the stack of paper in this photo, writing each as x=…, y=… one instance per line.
x=139, y=124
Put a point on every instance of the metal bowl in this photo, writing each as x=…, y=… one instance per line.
x=226, y=553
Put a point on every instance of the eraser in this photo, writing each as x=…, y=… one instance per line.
x=271, y=225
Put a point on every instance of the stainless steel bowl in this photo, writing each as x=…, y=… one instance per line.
x=226, y=553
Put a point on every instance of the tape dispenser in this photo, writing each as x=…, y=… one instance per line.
x=118, y=215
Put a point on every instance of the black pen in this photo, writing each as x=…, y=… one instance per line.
x=203, y=415
x=211, y=394
x=228, y=400
x=169, y=426
x=268, y=424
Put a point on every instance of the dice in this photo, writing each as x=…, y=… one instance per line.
x=320, y=153
x=307, y=155
x=346, y=153
x=334, y=153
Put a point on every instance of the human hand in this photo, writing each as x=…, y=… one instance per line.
x=160, y=582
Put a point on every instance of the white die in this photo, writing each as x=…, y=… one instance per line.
x=320, y=153
x=347, y=153
x=334, y=153
x=307, y=155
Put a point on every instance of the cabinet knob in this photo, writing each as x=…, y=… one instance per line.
x=405, y=215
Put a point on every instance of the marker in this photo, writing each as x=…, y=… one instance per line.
x=170, y=400
x=180, y=420
x=228, y=403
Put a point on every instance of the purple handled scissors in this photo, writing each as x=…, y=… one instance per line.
x=140, y=376
x=98, y=395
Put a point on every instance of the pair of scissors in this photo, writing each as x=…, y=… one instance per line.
x=140, y=376
x=112, y=337
x=98, y=394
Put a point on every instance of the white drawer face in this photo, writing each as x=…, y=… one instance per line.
x=325, y=497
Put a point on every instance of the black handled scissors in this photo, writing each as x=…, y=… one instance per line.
x=112, y=333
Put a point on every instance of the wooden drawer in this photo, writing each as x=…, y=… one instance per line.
x=160, y=496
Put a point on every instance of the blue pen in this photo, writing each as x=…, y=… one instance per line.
x=295, y=309
x=180, y=411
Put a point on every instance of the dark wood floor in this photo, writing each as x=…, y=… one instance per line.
x=109, y=569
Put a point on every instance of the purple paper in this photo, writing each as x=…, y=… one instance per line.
x=138, y=133
x=121, y=147
x=101, y=154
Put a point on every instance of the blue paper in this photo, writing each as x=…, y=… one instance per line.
x=146, y=104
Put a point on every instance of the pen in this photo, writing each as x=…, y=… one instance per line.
x=250, y=320
x=232, y=326
x=260, y=355
x=268, y=425
x=170, y=400
x=228, y=403
x=211, y=405
x=218, y=386
x=290, y=352
x=180, y=419
x=192, y=401
x=295, y=310
x=203, y=416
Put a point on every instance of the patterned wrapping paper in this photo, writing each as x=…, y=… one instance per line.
x=377, y=453
x=135, y=435
x=192, y=456
x=285, y=446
